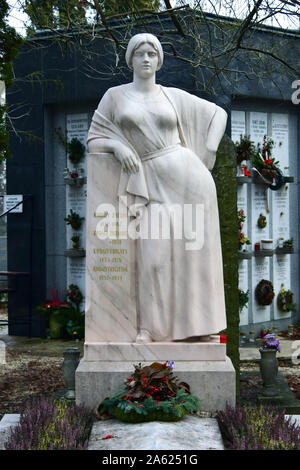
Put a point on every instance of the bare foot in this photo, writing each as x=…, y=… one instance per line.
x=143, y=337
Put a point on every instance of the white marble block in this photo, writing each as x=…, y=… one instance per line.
x=110, y=281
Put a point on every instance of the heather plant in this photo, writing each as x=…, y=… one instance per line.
x=258, y=429
x=51, y=424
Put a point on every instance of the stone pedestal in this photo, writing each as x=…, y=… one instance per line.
x=204, y=366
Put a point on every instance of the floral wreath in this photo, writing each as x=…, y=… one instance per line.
x=285, y=300
x=152, y=393
x=264, y=292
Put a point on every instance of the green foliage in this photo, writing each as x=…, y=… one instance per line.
x=76, y=318
x=70, y=14
x=112, y=7
x=54, y=14
x=224, y=174
x=74, y=220
x=245, y=149
x=149, y=409
x=243, y=298
x=10, y=42
x=75, y=150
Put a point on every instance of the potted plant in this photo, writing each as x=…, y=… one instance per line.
x=75, y=241
x=74, y=220
x=152, y=393
x=269, y=363
x=57, y=313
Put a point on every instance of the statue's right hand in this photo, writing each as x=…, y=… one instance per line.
x=127, y=158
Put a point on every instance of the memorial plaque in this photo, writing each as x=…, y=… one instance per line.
x=258, y=127
x=258, y=202
x=280, y=135
x=238, y=125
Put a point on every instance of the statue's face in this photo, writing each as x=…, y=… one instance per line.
x=145, y=61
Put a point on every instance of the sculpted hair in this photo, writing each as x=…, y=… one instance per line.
x=144, y=38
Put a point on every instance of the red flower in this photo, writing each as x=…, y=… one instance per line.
x=269, y=161
x=148, y=395
x=74, y=175
x=223, y=339
x=130, y=379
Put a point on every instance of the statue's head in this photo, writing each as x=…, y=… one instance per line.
x=144, y=38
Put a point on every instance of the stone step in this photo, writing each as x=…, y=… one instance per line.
x=192, y=433
x=6, y=424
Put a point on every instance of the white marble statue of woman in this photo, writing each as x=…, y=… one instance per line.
x=166, y=141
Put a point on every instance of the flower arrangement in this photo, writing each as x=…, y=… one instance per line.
x=269, y=341
x=76, y=321
x=266, y=166
x=262, y=160
x=285, y=300
x=152, y=393
x=74, y=220
x=242, y=239
x=57, y=308
x=243, y=299
x=264, y=292
x=75, y=150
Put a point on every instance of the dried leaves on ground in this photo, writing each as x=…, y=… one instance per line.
x=24, y=376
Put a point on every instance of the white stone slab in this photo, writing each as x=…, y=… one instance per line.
x=192, y=433
x=6, y=424
x=294, y=419
x=154, y=351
